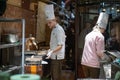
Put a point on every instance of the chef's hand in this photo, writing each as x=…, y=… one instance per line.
x=105, y=57
x=49, y=54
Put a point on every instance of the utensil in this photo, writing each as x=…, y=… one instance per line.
x=9, y=38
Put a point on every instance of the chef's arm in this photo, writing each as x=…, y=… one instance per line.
x=100, y=54
x=100, y=47
x=104, y=56
x=57, y=48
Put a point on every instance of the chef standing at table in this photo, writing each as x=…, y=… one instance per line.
x=94, y=48
x=57, y=43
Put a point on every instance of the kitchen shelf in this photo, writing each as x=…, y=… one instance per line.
x=10, y=45
x=22, y=21
x=114, y=53
x=12, y=69
x=10, y=20
x=116, y=65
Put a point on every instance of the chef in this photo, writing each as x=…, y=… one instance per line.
x=94, y=47
x=57, y=43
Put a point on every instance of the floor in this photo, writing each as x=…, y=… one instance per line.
x=66, y=75
x=67, y=72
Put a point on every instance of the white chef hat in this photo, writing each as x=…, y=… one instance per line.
x=102, y=20
x=49, y=12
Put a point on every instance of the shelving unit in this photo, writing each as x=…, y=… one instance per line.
x=9, y=45
x=16, y=44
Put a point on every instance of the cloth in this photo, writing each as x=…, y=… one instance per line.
x=56, y=68
x=57, y=38
x=91, y=72
x=93, y=49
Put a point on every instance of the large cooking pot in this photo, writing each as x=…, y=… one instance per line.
x=9, y=38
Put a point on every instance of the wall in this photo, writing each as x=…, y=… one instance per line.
x=43, y=32
x=116, y=26
x=34, y=16
x=13, y=11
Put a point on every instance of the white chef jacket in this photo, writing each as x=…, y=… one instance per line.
x=57, y=38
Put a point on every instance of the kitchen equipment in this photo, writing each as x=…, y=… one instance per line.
x=115, y=67
x=4, y=76
x=107, y=70
x=37, y=53
x=115, y=54
x=33, y=64
x=33, y=60
x=25, y=77
x=9, y=38
x=31, y=44
x=30, y=52
x=41, y=52
x=34, y=69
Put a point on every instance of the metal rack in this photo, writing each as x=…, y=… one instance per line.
x=23, y=38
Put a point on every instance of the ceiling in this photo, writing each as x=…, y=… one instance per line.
x=96, y=2
x=111, y=7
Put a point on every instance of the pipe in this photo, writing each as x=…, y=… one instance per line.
x=117, y=18
x=23, y=44
x=96, y=3
x=51, y=2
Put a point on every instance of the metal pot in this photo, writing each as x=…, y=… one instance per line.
x=9, y=38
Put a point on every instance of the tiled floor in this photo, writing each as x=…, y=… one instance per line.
x=68, y=75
